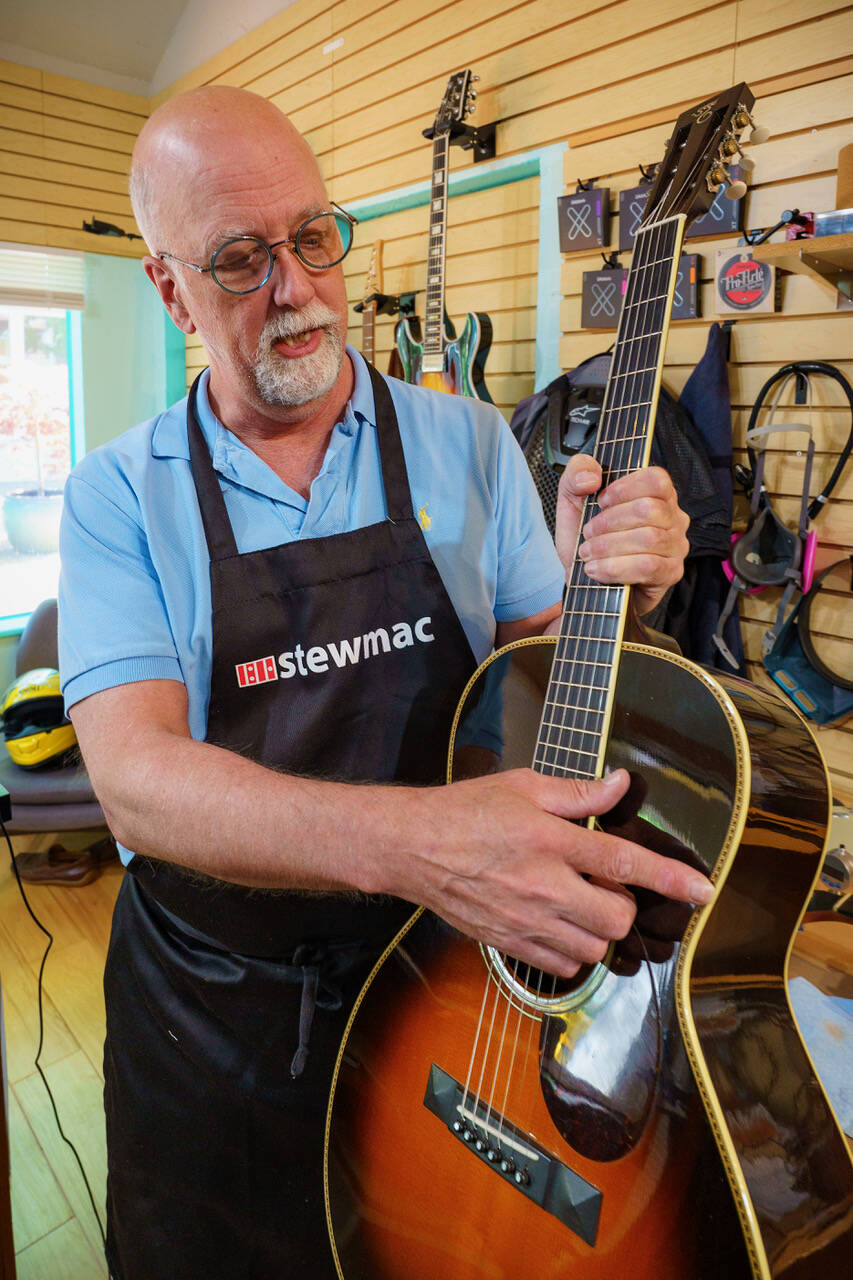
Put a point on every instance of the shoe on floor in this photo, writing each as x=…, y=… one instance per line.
x=58, y=866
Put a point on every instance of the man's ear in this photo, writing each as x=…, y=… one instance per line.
x=169, y=290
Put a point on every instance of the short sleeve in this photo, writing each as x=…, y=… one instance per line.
x=113, y=624
x=530, y=575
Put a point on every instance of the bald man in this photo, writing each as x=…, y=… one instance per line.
x=257, y=639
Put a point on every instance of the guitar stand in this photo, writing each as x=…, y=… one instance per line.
x=482, y=140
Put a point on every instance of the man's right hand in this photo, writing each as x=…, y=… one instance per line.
x=497, y=858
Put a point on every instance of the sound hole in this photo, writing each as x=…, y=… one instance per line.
x=534, y=990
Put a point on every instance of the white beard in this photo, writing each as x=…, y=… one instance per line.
x=280, y=381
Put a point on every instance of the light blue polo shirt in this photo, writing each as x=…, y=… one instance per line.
x=134, y=593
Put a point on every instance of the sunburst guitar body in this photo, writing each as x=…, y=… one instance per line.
x=463, y=359
x=659, y=1118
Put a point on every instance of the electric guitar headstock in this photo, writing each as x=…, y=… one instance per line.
x=373, y=284
x=706, y=140
x=457, y=103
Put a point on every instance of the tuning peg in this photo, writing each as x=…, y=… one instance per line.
x=759, y=134
x=474, y=78
x=746, y=163
x=472, y=94
x=735, y=190
x=717, y=176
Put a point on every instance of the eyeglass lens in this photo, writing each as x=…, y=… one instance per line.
x=242, y=265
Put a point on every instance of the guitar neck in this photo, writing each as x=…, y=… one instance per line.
x=576, y=714
x=368, y=331
x=433, y=345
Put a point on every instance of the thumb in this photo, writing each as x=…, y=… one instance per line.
x=581, y=477
x=581, y=798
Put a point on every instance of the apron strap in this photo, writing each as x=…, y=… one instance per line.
x=398, y=495
x=221, y=542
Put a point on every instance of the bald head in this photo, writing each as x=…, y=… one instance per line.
x=193, y=137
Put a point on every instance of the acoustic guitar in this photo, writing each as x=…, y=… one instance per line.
x=443, y=361
x=658, y=1117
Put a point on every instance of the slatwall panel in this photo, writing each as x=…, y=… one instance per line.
x=64, y=157
x=805, y=45
x=492, y=241
x=362, y=78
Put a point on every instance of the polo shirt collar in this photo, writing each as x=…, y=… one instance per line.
x=169, y=438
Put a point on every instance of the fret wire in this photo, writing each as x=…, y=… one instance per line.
x=581, y=773
x=584, y=711
x=558, y=746
x=572, y=731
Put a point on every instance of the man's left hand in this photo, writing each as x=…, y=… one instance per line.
x=638, y=537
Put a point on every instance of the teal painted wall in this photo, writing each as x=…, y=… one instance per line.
x=133, y=356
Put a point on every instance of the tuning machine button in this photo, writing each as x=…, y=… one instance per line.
x=760, y=133
x=736, y=190
x=747, y=164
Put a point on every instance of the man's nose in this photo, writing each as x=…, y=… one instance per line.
x=291, y=280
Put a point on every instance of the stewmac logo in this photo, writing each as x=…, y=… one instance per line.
x=320, y=658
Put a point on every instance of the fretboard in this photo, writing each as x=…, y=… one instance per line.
x=576, y=715
x=433, y=344
x=368, y=331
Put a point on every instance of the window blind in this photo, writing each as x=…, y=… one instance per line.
x=30, y=276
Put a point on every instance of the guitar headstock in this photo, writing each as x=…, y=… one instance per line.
x=706, y=140
x=457, y=103
x=373, y=283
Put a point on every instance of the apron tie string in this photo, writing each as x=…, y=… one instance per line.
x=318, y=991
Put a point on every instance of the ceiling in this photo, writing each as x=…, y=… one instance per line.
x=125, y=44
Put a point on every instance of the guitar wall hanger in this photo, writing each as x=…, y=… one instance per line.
x=389, y=304
x=759, y=234
x=481, y=139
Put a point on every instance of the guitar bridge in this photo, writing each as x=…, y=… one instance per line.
x=514, y=1156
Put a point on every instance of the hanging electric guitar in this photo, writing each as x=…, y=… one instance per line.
x=443, y=361
x=658, y=1117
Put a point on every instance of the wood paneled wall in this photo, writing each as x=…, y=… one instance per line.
x=64, y=158
x=362, y=78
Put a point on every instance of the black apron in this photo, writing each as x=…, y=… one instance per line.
x=341, y=658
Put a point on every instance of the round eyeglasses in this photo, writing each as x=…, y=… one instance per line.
x=244, y=263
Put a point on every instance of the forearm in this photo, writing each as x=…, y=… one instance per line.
x=213, y=810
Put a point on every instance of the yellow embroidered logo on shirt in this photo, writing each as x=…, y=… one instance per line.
x=424, y=520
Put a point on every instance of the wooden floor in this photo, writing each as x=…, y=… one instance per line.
x=56, y=1234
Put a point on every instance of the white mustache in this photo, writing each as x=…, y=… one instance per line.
x=288, y=325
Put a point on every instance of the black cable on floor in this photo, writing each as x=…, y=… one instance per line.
x=49, y=937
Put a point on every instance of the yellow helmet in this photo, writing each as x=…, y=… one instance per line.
x=35, y=726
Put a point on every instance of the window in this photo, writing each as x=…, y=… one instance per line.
x=37, y=439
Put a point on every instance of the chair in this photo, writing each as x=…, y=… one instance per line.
x=46, y=799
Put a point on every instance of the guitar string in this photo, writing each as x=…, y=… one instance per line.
x=466, y=1091
x=586, y=641
x=621, y=463
x=566, y=635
